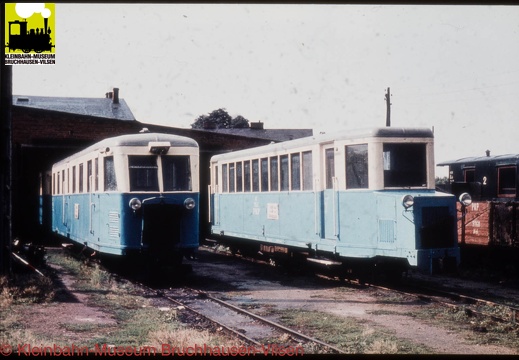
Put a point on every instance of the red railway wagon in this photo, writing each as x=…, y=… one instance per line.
x=492, y=181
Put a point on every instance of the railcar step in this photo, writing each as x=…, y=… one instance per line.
x=324, y=262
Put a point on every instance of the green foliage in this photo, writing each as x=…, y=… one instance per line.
x=442, y=180
x=220, y=119
x=351, y=335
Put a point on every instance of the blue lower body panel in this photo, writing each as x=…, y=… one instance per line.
x=346, y=224
x=105, y=222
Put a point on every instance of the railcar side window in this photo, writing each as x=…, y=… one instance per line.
x=216, y=175
x=74, y=179
x=284, y=172
x=89, y=175
x=307, y=171
x=246, y=177
x=274, y=182
x=506, y=181
x=224, y=178
x=469, y=175
x=255, y=175
x=231, y=177
x=405, y=165
x=265, y=174
x=176, y=173
x=329, y=164
x=239, y=177
x=110, y=179
x=295, y=163
x=143, y=173
x=357, y=166
x=66, y=182
x=80, y=178
x=96, y=171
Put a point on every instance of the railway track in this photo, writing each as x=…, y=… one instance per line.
x=265, y=336
x=262, y=336
x=471, y=305
x=192, y=305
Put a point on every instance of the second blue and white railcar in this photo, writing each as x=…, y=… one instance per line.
x=363, y=195
x=130, y=194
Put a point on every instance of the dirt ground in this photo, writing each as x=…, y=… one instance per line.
x=285, y=291
x=51, y=319
x=244, y=283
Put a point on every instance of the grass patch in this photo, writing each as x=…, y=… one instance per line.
x=480, y=331
x=388, y=312
x=139, y=321
x=353, y=336
x=25, y=288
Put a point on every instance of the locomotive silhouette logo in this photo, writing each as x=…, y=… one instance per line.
x=29, y=28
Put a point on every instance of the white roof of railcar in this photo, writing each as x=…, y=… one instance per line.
x=134, y=140
x=386, y=132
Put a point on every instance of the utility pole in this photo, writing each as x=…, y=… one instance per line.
x=388, y=107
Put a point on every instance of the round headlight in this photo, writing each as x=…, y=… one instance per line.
x=135, y=204
x=189, y=203
x=465, y=199
x=408, y=201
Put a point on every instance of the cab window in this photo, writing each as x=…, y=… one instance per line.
x=405, y=165
x=176, y=173
x=143, y=173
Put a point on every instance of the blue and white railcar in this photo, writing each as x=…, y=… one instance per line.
x=130, y=194
x=363, y=195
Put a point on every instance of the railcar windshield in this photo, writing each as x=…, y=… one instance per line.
x=405, y=165
x=176, y=173
x=143, y=173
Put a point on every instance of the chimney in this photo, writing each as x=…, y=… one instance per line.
x=116, y=96
x=488, y=153
x=256, y=125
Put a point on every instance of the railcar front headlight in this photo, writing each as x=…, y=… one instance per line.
x=407, y=201
x=465, y=199
x=189, y=203
x=135, y=204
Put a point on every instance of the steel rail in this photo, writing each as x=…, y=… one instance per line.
x=454, y=296
x=470, y=300
x=187, y=307
x=271, y=323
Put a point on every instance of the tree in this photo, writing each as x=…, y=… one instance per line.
x=239, y=122
x=219, y=119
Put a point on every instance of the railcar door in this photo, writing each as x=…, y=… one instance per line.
x=93, y=208
x=329, y=197
x=64, y=202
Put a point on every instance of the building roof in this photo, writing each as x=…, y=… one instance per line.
x=275, y=135
x=96, y=107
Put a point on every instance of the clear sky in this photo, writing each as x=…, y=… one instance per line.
x=324, y=67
